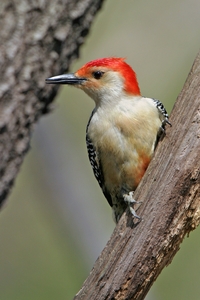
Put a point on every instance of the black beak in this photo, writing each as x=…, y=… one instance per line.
x=65, y=79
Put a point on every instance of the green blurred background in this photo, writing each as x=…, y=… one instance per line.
x=56, y=221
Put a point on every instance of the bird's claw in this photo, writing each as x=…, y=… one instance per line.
x=130, y=200
x=133, y=212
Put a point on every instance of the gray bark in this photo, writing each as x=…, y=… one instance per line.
x=37, y=39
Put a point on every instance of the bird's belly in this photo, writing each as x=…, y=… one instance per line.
x=123, y=164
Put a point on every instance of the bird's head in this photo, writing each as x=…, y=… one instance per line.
x=102, y=79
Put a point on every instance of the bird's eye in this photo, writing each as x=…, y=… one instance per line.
x=97, y=74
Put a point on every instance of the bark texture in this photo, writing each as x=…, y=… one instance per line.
x=38, y=39
x=170, y=193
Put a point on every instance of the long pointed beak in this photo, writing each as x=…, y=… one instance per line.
x=65, y=79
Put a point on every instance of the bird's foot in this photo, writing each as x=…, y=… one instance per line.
x=128, y=198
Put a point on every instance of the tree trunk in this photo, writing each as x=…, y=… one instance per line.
x=170, y=193
x=37, y=39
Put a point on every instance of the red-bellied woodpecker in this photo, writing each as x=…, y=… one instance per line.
x=123, y=129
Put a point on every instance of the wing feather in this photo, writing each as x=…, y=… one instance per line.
x=96, y=166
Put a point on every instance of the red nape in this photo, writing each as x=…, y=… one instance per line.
x=119, y=65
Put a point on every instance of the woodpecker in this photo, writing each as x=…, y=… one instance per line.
x=123, y=129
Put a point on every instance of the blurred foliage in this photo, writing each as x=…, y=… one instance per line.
x=56, y=222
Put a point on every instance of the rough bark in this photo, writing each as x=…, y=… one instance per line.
x=170, y=193
x=38, y=38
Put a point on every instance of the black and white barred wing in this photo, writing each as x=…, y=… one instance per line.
x=163, y=113
x=96, y=166
x=164, y=118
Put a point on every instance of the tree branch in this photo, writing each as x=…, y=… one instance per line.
x=170, y=193
x=37, y=39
